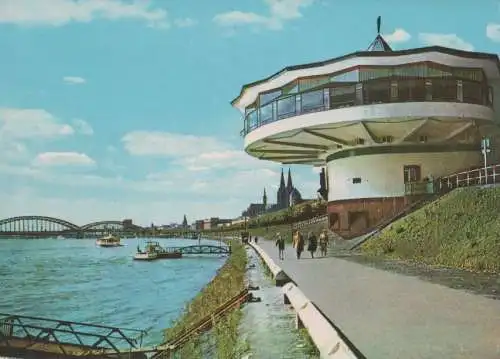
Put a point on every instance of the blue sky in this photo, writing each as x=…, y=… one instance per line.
x=114, y=109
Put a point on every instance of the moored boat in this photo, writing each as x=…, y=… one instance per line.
x=145, y=256
x=153, y=250
x=108, y=241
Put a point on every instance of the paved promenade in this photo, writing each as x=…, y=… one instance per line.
x=392, y=316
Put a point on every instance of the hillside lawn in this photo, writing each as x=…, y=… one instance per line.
x=461, y=230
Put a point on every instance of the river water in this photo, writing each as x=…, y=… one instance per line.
x=75, y=280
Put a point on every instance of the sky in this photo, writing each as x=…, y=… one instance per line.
x=113, y=109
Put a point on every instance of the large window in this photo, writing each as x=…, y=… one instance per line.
x=378, y=91
x=473, y=92
x=411, y=90
x=286, y=107
x=266, y=113
x=312, y=101
x=269, y=96
x=252, y=120
x=342, y=96
x=444, y=90
x=351, y=76
x=312, y=82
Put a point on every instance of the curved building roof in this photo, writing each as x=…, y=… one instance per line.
x=379, y=53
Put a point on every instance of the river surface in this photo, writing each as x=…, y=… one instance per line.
x=74, y=280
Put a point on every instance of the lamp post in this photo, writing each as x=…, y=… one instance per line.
x=485, y=149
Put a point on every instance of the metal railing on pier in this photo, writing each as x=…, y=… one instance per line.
x=35, y=334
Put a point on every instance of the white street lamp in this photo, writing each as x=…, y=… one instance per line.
x=485, y=149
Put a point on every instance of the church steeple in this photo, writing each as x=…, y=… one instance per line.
x=184, y=222
x=289, y=184
x=282, y=180
x=264, y=199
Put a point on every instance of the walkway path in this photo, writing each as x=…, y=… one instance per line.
x=392, y=316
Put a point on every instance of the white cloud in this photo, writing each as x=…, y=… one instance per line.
x=74, y=80
x=280, y=11
x=493, y=32
x=62, y=12
x=193, y=153
x=18, y=123
x=233, y=18
x=204, y=177
x=63, y=159
x=147, y=143
x=446, y=40
x=398, y=36
x=83, y=127
x=185, y=22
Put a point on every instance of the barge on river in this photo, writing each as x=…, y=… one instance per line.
x=153, y=251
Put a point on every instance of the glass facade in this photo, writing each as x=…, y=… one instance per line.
x=366, y=85
x=286, y=107
x=312, y=101
x=368, y=93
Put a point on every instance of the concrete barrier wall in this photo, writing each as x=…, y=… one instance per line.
x=329, y=343
x=280, y=277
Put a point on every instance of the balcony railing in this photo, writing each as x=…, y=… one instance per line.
x=473, y=177
x=368, y=93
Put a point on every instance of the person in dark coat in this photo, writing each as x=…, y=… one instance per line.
x=280, y=243
x=312, y=243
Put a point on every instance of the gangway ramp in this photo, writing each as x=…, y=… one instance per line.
x=28, y=336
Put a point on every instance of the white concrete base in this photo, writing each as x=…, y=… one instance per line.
x=323, y=334
x=280, y=277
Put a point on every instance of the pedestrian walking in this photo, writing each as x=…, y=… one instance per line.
x=256, y=239
x=298, y=243
x=280, y=243
x=312, y=243
x=323, y=242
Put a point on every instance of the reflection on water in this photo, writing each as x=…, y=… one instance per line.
x=269, y=326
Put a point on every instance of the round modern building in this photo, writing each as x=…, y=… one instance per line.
x=380, y=121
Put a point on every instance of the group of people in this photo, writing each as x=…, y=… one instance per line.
x=298, y=243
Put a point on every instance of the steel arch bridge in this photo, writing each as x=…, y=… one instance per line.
x=36, y=224
x=39, y=226
x=110, y=225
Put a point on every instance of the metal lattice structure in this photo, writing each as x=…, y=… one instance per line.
x=20, y=334
x=204, y=249
x=36, y=224
x=43, y=225
x=109, y=225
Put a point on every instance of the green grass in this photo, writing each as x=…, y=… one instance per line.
x=229, y=281
x=270, y=232
x=461, y=230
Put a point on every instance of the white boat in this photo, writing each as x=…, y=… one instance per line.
x=109, y=241
x=145, y=256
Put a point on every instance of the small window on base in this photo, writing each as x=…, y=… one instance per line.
x=356, y=180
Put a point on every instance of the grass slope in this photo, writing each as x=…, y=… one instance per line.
x=462, y=230
x=229, y=281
